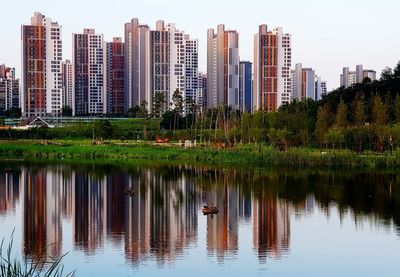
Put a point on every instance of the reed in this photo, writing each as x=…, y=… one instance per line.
x=29, y=267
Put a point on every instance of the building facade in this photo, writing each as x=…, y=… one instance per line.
x=67, y=83
x=9, y=89
x=349, y=78
x=137, y=67
x=193, y=82
x=222, y=68
x=320, y=88
x=88, y=61
x=204, y=92
x=272, y=63
x=115, y=77
x=306, y=84
x=245, y=87
x=159, y=91
x=159, y=62
x=41, y=79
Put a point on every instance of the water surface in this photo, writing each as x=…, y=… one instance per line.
x=270, y=222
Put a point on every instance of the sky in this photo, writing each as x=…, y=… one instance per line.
x=326, y=34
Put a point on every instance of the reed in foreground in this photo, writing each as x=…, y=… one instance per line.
x=29, y=267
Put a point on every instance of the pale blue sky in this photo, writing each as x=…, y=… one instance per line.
x=327, y=35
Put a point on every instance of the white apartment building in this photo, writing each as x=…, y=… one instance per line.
x=349, y=78
x=137, y=63
x=306, y=84
x=222, y=68
x=9, y=89
x=67, y=83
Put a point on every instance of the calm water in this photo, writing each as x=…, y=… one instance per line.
x=271, y=223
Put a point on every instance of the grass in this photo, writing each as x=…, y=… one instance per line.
x=260, y=155
x=40, y=266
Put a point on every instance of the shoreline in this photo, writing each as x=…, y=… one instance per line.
x=242, y=155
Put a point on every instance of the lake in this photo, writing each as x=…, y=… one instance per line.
x=272, y=222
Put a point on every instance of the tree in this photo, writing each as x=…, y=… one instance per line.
x=335, y=136
x=359, y=113
x=322, y=124
x=142, y=111
x=397, y=109
x=380, y=118
x=341, y=115
x=379, y=112
x=177, y=103
x=133, y=112
x=102, y=129
x=66, y=111
x=387, y=74
x=158, y=104
x=396, y=71
x=13, y=113
x=366, y=80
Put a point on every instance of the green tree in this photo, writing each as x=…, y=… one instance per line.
x=397, y=109
x=366, y=80
x=322, y=124
x=177, y=103
x=158, y=104
x=396, y=71
x=13, y=113
x=102, y=129
x=359, y=113
x=379, y=112
x=133, y=112
x=66, y=111
x=335, y=136
x=341, y=115
x=142, y=111
x=387, y=74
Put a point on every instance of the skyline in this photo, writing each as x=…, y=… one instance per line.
x=315, y=47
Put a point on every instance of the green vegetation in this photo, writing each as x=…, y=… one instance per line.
x=362, y=119
x=29, y=267
x=260, y=155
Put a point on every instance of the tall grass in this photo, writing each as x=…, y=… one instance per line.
x=260, y=155
x=29, y=267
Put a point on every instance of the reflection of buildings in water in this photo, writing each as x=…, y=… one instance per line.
x=89, y=220
x=159, y=221
x=161, y=218
x=41, y=214
x=67, y=194
x=9, y=192
x=222, y=229
x=114, y=208
x=271, y=226
x=137, y=220
x=173, y=225
x=245, y=208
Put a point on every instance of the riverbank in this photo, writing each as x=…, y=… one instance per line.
x=258, y=155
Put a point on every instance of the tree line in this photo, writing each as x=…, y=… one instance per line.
x=362, y=117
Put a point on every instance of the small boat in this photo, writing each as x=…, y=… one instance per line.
x=130, y=192
x=209, y=210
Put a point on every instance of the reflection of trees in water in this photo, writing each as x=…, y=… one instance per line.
x=161, y=220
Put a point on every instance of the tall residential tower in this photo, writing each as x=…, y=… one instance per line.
x=222, y=68
x=137, y=66
x=41, y=67
x=272, y=62
x=88, y=60
x=115, y=77
x=9, y=89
